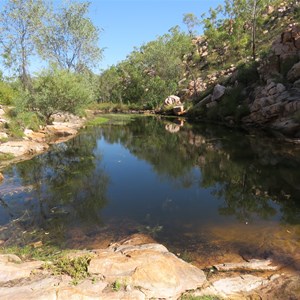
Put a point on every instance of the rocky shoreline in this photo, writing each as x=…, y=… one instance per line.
x=63, y=128
x=140, y=268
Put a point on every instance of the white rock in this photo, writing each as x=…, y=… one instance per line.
x=172, y=100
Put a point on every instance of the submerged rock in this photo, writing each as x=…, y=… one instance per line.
x=19, y=148
x=234, y=286
x=253, y=265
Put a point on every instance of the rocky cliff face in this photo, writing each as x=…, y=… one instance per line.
x=272, y=100
x=276, y=101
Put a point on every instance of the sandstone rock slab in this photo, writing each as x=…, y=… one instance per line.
x=157, y=272
x=239, y=285
x=12, y=271
x=44, y=289
x=251, y=265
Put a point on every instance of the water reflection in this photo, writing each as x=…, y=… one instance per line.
x=184, y=187
x=67, y=185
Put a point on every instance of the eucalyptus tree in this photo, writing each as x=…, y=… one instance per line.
x=234, y=27
x=69, y=38
x=191, y=22
x=19, y=23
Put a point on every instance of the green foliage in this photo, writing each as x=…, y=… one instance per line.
x=27, y=252
x=116, y=286
x=247, y=73
x=149, y=74
x=287, y=64
x=191, y=21
x=97, y=121
x=237, y=30
x=6, y=156
x=242, y=111
x=229, y=105
x=76, y=267
x=69, y=38
x=23, y=120
x=58, y=90
x=15, y=130
x=7, y=93
x=29, y=120
x=19, y=21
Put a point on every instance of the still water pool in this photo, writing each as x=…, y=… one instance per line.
x=203, y=191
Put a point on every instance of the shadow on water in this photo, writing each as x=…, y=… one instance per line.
x=203, y=189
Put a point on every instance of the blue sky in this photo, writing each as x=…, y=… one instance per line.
x=130, y=23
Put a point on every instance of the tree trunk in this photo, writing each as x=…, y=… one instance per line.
x=254, y=19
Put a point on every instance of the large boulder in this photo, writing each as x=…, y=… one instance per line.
x=294, y=73
x=157, y=272
x=172, y=100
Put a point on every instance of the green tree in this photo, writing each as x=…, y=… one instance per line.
x=191, y=21
x=150, y=73
x=109, y=86
x=19, y=22
x=232, y=29
x=56, y=90
x=69, y=38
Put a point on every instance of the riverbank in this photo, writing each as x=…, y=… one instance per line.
x=139, y=268
x=276, y=250
x=64, y=127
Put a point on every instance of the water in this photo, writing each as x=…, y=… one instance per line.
x=203, y=190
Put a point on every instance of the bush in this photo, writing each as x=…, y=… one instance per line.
x=229, y=106
x=247, y=73
x=23, y=120
x=55, y=91
x=7, y=94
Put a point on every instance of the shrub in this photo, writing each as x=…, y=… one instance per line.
x=247, y=73
x=57, y=90
x=229, y=106
x=287, y=64
x=7, y=94
x=23, y=120
x=76, y=267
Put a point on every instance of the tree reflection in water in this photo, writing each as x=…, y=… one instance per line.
x=249, y=177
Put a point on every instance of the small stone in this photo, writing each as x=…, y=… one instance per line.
x=37, y=244
x=280, y=88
